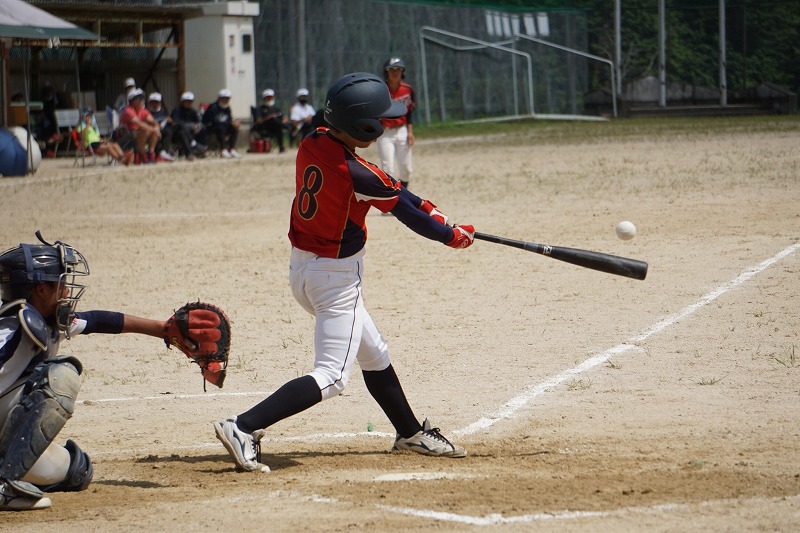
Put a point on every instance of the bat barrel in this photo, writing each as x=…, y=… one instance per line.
x=610, y=264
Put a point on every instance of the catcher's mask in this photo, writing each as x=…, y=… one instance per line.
x=25, y=266
x=357, y=101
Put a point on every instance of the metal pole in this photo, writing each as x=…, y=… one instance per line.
x=424, y=64
x=662, y=56
x=617, y=47
x=4, y=75
x=514, y=77
x=723, y=77
x=80, y=106
x=302, y=52
x=28, y=170
x=484, y=44
x=582, y=54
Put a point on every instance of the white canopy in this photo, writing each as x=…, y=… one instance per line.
x=21, y=20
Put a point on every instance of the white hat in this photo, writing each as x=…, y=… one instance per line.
x=155, y=97
x=130, y=82
x=188, y=95
x=267, y=92
x=302, y=92
x=225, y=93
x=134, y=93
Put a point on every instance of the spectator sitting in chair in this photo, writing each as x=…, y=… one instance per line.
x=301, y=115
x=186, y=115
x=169, y=128
x=142, y=126
x=91, y=139
x=269, y=120
x=219, y=120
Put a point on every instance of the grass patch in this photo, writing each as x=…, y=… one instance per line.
x=567, y=132
x=710, y=381
x=579, y=384
x=788, y=358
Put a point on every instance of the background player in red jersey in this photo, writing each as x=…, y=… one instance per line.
x=335, y=188
x=398, y=136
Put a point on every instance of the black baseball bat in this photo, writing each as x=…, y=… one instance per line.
x=610, y=264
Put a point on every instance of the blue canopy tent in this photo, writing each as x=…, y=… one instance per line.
x=20, y=24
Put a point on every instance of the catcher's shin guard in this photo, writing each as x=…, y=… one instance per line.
x=80, y=472
x=48, y=401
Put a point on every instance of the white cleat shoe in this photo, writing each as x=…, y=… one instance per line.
x=235, y=154
x=166, y=156
x=429, y=442
x=225, y=154
x=21, y=496
x=245, y=449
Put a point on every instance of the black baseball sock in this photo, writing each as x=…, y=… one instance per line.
x=293, y=397
x=384, y=386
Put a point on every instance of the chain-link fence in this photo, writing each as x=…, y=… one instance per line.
x=494, y=60
x=760, y=53
x=313, y=42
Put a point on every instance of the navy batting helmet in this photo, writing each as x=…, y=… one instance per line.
x=356, y=101
x=394, y=62
x=25, y=266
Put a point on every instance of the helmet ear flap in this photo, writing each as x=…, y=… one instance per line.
x=365, y=129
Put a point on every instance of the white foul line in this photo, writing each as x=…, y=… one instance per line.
x=171, y=397
x=515, y=404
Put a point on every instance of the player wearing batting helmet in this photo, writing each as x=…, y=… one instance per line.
x=335, y=189
x=398, y=135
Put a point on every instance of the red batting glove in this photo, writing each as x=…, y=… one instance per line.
x=429, y=207
x=463, y=236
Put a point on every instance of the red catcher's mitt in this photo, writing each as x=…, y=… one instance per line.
x=203, y=332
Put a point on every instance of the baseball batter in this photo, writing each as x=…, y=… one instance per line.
x=335, y=188
x=40, y=291
x=398, y=135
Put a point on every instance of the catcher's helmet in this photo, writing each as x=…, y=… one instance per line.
x=25, y=266
x=356, y=101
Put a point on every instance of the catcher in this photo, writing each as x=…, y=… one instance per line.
x=40, y=290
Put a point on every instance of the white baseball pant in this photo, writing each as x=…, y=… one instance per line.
x=393, y=145
x=330, y=289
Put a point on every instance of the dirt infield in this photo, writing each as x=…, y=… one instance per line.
x=587, y=401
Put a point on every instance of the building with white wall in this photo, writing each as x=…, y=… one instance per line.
x=219, y=53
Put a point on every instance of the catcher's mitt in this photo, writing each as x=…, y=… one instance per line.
x=203, y=332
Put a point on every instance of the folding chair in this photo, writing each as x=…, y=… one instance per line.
x=82, y=152
x=66, y=119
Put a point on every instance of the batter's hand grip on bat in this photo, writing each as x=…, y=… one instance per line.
x=610, y=264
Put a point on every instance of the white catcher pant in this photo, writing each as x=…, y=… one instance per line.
x=330, y=289
x=53, y=465
x=393, y=145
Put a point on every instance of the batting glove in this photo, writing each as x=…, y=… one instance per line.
x=429, y=207
x=463, y=236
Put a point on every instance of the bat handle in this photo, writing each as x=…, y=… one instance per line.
x=529, y=246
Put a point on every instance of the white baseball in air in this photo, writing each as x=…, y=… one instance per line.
x=626, y=230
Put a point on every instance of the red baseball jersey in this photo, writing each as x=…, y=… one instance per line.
x=405, y=94
x=334, y=189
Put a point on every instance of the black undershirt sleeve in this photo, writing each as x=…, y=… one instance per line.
x=102, y=321
x=407, y=211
